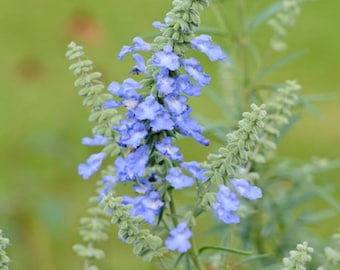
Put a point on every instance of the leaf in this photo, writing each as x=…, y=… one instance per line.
x=280, y=63
x=251, y=258
x=178, y=260
x=231, y=250
x=308, y=105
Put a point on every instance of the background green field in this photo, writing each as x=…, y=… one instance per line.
x=42, y=119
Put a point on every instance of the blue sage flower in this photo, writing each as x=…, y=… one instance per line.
x=140, y=64
x=246, y=190
x=125, y=90
x=165, y=84
x=148, y=109
x=163, y=121
x=186, y=87
x=147, y=206
x=109, y=182
x=225, y=204
x=92, y=165
x=132, y=132
x=95, y=141
x=138, y=45
x=134, y=165
x=194, y=70
x=179, y=238
x=178, y=180
x=194, y=168
x=166, y=148
x=166, y=59
x=204, y=44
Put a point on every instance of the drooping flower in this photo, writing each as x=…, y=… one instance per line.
x=225, y=204
x=194, y=70
x=186, y=87
x=204, y=44
x=109, y=182
x=162, y=121
x=246, y=190
x=148, y=109
x=178, y=180
x=147, y=206
x=132, y=132
x=194, y=168
x=166, y=148
x=140, y=64
x=125, y=90
x=189, y=127
x=176, y=104
x=138, y=45
x=134, y=165
x=95, y=141
x=165, y=84
x=92, y=165
x=166, y=59
x=179, y=238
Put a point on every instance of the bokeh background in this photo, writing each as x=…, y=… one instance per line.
x=42, y=119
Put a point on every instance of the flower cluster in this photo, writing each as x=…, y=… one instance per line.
x=227, y=201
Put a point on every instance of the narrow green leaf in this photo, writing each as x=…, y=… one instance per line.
x=280, y=63
x=231, y=250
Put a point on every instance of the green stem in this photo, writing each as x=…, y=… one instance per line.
x=172, y=206
x=193, y=253
x=243, y=42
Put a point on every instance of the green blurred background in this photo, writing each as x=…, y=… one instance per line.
x=42, y=119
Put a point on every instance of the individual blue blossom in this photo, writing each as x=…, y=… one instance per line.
x=194, y=70
x=225, y=204
x=140, y=64
x=109, y=181
x=189, y=127
x=111, y=104
x=143, y=186
x=186, y=87
x=176, y=104
x=204, y=44
x=166, y=148
x=147, y=206
x=194, y=168
x=162, y=121
x=165, y=84
x=178, y=180
x=133, y=166
x=132, y=102
x=125, y=90
x=246, y=190
x=138, y=45
x=95, y=141
x=148, y=109
x=179, y=238
x=159, y=25
x=166, y=59
x=132, y=132
x=92, y=165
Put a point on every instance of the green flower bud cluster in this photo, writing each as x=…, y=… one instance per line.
x=279, y=110
x=180, y=23
x=146, y=245
x=283, y=19
x=92, y=231
x=91, y=88
x=4, y=259
x=332, y=254
x=240, y=145
x=298, y=258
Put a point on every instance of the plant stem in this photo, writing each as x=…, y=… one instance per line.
x=243, y=42
x=194, y=255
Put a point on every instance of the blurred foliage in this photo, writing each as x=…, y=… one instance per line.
x=41, y=196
